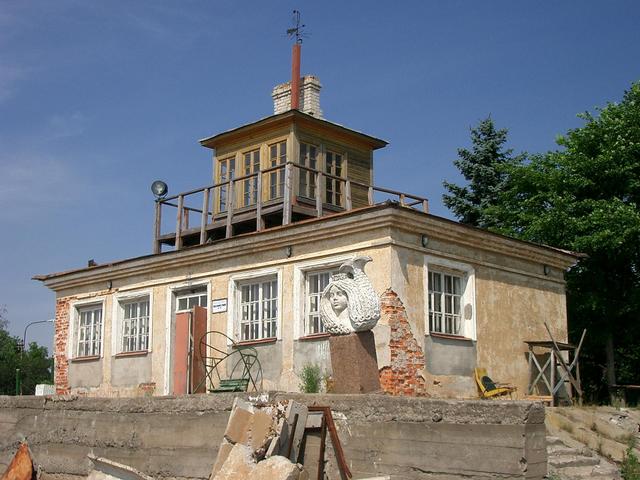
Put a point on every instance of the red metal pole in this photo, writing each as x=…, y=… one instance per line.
x=295, y=77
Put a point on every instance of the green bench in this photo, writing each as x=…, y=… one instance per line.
x=232, y=385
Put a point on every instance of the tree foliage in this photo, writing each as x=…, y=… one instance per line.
x=585, y=197
x=483, y=168
x=34, y=363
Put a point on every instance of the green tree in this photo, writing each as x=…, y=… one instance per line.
x=483, y=168
x=585, y=197
x=34, y=363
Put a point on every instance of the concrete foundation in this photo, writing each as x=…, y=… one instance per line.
x=178, y=437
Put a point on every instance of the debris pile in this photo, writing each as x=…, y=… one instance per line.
x=262, y=442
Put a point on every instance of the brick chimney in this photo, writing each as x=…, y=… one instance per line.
x=309, y=97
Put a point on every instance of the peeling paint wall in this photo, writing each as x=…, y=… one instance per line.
x=511, y=298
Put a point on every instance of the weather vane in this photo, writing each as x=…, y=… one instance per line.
x=296, y=31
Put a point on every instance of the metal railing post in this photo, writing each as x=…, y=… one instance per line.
x=179, y=222
x=157, y=248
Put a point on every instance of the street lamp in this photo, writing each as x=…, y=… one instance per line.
x=24, y=337
x=24, y=346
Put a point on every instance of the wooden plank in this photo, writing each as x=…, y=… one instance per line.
x=323, y=443
x=205, y=216
x=335, y=440
x=286, y=213
x=230, y=206
x=347, y=194
x=259, y=223
x=157, y=222
x=319, y=194
x=178, y=243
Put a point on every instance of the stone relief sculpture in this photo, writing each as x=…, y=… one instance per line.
x=349, y=303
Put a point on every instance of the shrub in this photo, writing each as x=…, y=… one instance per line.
x=630, y=468
x=310, y=379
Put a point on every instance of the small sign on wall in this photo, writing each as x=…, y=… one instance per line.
x=219, y=305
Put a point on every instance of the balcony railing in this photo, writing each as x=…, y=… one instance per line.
x=260, y=195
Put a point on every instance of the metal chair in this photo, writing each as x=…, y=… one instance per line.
x=490, y=389
x=242, y=364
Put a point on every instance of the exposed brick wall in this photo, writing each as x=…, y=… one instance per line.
x=404, y=376
x=61, y=363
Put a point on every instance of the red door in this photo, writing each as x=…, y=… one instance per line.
x=188, y=369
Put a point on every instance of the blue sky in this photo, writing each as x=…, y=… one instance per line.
x=98, y=99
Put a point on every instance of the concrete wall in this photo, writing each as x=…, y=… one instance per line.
x=168, y=437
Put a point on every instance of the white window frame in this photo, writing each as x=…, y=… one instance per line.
x=467, y=298
x=72, y=344
x=300, y=271
x=182, y=294
x=233, y=310
x=118, y=314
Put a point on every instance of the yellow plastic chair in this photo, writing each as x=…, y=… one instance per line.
x=490, y=389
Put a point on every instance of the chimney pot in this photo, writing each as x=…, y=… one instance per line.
x=309, y=96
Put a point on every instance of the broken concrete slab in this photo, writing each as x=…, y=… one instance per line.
x=223, y=453
x=279, y=468
x=239, y=464
x=105, y=469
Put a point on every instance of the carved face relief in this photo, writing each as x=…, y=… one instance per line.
x=338, y=299
x=349, y=303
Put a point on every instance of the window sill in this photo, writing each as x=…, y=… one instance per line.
x=248, y=343
x=91, y=358
x=315, y=336
x=140, y=353
x=450, y=337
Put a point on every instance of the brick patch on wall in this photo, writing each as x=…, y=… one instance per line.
x=61, y=363
x=403, y=376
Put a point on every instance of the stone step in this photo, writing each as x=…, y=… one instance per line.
x=603, y=471
x=566, y=461
x=555, y=450
x=553, y=440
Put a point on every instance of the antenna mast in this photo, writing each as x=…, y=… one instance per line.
x=295, y=32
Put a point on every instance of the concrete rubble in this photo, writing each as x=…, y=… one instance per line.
x=262, y=442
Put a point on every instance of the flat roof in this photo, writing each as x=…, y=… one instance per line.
x=355, y=212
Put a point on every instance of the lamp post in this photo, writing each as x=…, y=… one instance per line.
x=24, y=346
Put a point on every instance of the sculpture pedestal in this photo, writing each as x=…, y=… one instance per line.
x=354, y=363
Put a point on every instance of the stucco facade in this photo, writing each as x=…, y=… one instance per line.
x=509, y=289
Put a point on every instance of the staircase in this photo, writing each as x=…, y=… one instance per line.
x=590, y=442
x=577, y=463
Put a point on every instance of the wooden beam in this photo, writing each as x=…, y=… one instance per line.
x=370, y=195
x=230, y=206
x=179, y=222
x=347, y=194
x=318, y=180
x=259, y=224
x=425, y=206
x=205, y=216
x=157, y=222
x=286, y=213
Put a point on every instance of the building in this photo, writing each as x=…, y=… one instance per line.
x=292, y=198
